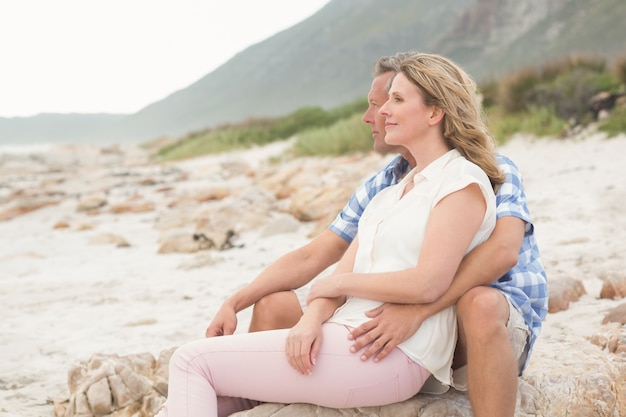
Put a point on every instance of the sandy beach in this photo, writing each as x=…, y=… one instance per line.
x=65, y=297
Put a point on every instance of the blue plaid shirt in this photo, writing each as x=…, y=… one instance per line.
x=525, y=284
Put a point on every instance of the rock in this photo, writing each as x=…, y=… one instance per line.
x=211, y=194
x=132, y=205
x=24, y=206
x=603, y=101
x=614, y=285
x=611, y=336
x=182, y=243
x=99, y=398
x=310, y=204
x=112, y=385
x=575, y=378
x=616, y=315
x=92, y=202
x=281, y=224
x=202, y=260
x=109, y=239
x=61, y=224
x=563, y=292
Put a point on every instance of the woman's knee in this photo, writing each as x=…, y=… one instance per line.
x=179, y=361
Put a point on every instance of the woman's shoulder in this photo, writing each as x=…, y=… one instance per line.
x=459, y=164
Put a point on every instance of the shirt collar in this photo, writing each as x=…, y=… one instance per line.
x=434, y=168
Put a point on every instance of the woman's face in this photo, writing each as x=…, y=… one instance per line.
x=406, y=115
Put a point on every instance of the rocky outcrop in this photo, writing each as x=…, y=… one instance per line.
x=119, y=386
x=567, y=376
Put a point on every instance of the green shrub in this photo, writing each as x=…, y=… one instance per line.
x=620, y=69
x=554, y=69
x=489, y=93
x=542, y=101
x=569, y=93
x=537, y=121
x=346, y=136
x=258, y=131
x=565, y=85
x=615, y=123
x=515, y=87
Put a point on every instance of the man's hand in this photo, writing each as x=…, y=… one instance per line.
x=390, y=325
x=224, y=323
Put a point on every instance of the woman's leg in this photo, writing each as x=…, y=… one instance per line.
x=254, y=366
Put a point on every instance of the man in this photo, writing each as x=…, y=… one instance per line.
x=499, y=289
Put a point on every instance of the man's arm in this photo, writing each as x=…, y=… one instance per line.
x=290, y=271
x=394, y=323
x=452, y=224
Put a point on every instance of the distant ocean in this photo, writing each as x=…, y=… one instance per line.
x=25, y=148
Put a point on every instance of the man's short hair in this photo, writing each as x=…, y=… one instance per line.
x=389, y=63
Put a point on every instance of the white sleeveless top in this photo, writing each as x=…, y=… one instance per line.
x=390, y=234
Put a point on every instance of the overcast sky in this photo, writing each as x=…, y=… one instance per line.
x=118, y=56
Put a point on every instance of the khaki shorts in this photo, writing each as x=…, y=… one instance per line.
x=301, y=293
x=519, y=335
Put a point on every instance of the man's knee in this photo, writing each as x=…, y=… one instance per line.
x=483, y=308
x=278, y=310
x=483, y=301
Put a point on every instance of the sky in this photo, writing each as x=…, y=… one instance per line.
x=118, y=56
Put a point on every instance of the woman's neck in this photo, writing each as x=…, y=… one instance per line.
x=427, y=152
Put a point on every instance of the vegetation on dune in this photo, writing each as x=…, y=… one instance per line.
x=550, y=100
x=259, y=131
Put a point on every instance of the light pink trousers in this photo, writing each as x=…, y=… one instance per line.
x=220, y=375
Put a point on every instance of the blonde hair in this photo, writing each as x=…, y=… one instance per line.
x=445, y=85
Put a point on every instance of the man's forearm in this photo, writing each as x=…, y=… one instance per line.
x=486, y=263
x=275, y=278
x=292, y=270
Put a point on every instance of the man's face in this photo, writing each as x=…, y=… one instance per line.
x=376, y=98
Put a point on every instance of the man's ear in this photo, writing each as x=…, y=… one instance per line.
x=436, y=116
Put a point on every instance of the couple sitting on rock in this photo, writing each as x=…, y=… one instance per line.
x=438, y=284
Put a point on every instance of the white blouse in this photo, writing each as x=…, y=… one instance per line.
x=390, y=234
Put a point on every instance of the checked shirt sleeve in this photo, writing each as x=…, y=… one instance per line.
x=347, y=221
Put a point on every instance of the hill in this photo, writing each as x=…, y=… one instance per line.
x=326, y=60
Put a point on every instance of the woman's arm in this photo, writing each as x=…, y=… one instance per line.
x=305, y=338
x=452, y=225
x=392, y=324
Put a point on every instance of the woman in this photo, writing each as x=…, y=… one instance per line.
x=411, y=239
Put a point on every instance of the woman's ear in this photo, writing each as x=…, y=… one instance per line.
x=436, y=116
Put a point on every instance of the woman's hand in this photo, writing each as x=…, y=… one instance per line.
x=325, y=287
x=303, y=345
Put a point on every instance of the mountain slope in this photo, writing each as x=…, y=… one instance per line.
x=327, y=59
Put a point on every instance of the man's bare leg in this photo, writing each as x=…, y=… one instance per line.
x=492, y=369
x=280, y=310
